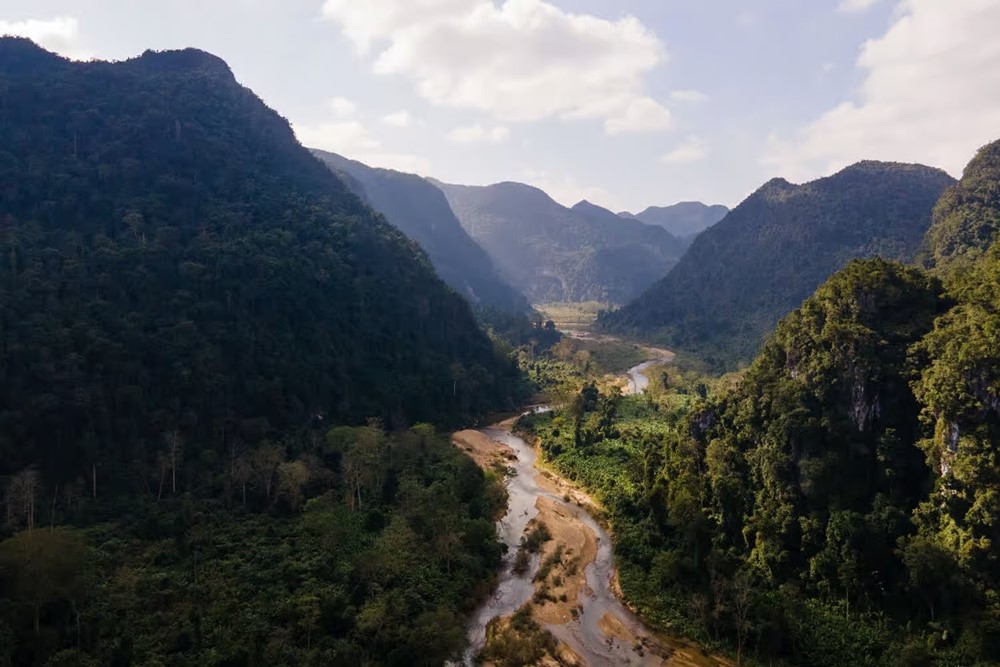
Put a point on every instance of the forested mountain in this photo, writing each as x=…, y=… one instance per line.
x=686, y=218
x=967, y=217
x=419, y=209
x=189, y=301
x=767, y=255
x=553, y=253
x=837, y=502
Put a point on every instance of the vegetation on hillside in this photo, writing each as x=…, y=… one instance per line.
x=772, y=251
x=345, y=549
x=835, y=504
x=967, y=217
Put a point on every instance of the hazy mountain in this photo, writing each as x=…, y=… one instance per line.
x=769, y=253
x=683, y=219
x=419, y=209
x=554, y=253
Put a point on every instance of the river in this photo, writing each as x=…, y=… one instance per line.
x=634, y=644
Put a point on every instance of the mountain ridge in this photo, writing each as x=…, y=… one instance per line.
x=768, y=254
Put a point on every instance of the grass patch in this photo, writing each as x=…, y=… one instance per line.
x=536, y=537
x=519, y=642
x=572, y=316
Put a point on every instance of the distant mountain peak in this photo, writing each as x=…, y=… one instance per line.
x=584, y=206
x=683, y=219
x=775, y=185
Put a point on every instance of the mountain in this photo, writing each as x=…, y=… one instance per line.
x=176, y=260
x=814, y=477
x=419, y=209
x=686, y=218
x=773, y=250
x=553, y=253
x=205, y=336
x=967, y=217
x=850, y=473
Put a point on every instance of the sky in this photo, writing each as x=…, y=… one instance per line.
x=626, y=103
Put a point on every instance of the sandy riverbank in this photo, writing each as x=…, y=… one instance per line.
x=487, y=453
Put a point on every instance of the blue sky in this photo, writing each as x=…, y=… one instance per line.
x=627, y=103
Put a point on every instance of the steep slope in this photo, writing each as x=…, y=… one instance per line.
x=419, y=209
x=767, y=255
x=552, y=253
x=967, y=217
x=958, y=385
x=686, y=218
x=842, y=493
x=176, y=262
x=813, y=475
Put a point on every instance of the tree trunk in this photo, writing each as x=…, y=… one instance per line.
x=55, y=494
x=76, y=611
x=93, y=479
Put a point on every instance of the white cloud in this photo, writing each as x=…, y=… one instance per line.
x=565, y=189
x=477, y=134
x=353, y=140
x=692, y=150
x=688, y=96
x=400, y=118
x=519, y=60
x=343, y=107
x=856, y=5
x=931, y=95
x=348, y=137
x=60, y=34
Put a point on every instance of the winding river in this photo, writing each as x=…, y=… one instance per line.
x=596, y=600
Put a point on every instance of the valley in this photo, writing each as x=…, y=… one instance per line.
x=266, y=401
x=568, y=587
